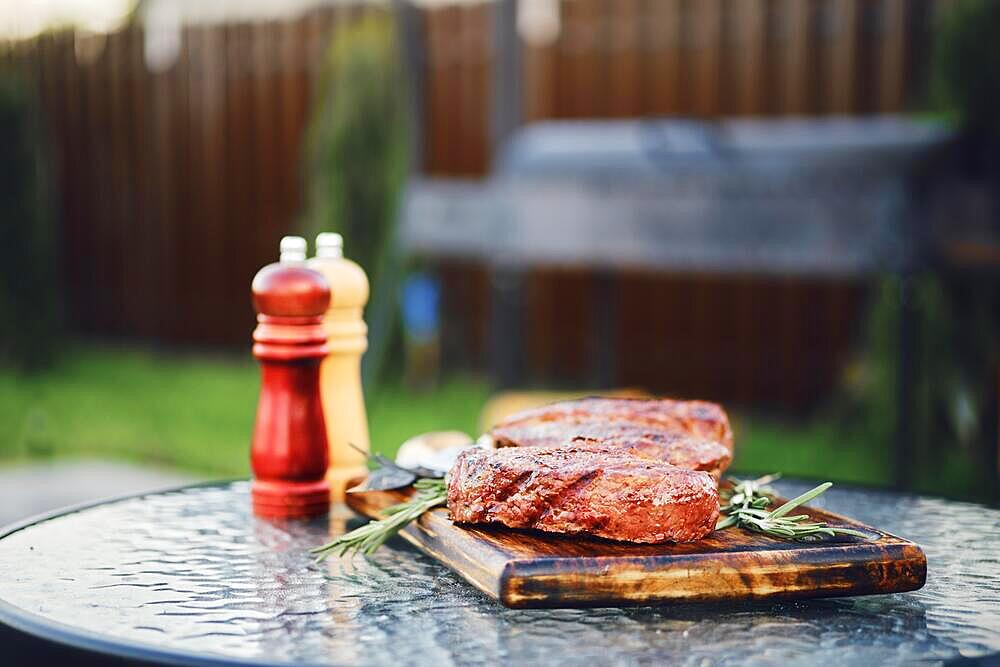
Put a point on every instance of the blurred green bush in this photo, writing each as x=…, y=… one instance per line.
x=29, y=307
x=955, y=359
x=357, y=162
x=966, y=64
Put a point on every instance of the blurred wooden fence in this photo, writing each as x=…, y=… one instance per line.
x=177, y=184
x=702, y=58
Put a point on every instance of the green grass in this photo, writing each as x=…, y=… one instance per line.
x=814, y=449
x=184, y=411
x=195, y=412
x=189, y=412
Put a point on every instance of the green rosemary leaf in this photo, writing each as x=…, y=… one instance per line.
x=430, y=493
x=800, y=500
x=745, y=508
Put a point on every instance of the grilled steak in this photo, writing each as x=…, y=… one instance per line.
x=689, y=434
x=597, y=489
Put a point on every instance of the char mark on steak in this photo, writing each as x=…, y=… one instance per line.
x=689, y=434
x=697, y=418
x=599, y=490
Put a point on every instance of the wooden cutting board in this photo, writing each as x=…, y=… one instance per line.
x=533, y=569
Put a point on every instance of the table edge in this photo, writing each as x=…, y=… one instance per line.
x=41, y=628
x=9, y=529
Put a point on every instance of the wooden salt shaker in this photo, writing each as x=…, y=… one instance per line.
x=289, y=452
x=340, y=373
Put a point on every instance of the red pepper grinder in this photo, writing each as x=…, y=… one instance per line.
x=289, y=452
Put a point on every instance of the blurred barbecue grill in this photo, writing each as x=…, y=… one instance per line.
x=813, y=196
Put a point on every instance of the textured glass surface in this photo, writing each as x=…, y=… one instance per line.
x=192, y=570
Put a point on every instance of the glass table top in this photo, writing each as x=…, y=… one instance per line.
x=191, y=576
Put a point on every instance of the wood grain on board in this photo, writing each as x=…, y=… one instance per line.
x=532, y=569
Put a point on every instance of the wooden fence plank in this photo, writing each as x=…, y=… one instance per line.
x=240, y=125
x=866, y=68
x=52, y=102
x=266, y=207
x=919, y=37
x=567, y=49
x=74, y=279
x=626, y=98
x=794, y=43
x=583, y=76
x=179, y=200
x=434, y=99
x=746, y=34
x=663, y=56
x=892, y=40
x=474, y=88
x=841, y=48
x=538, y=67
x=116, y=183
x=132, y=177
x=211, y=109
x=110, y=136
x=95, y=179
x=292, y=100
x=443, y=75
x=79, y=271
x=704, y=32
x=161, y=89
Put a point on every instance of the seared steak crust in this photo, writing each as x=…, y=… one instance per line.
x=597, y=489
x=560, y=422
x=675, y=448
x=688, y=434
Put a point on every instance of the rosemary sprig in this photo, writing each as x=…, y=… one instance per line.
x=369, y=537
x=746, y=507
